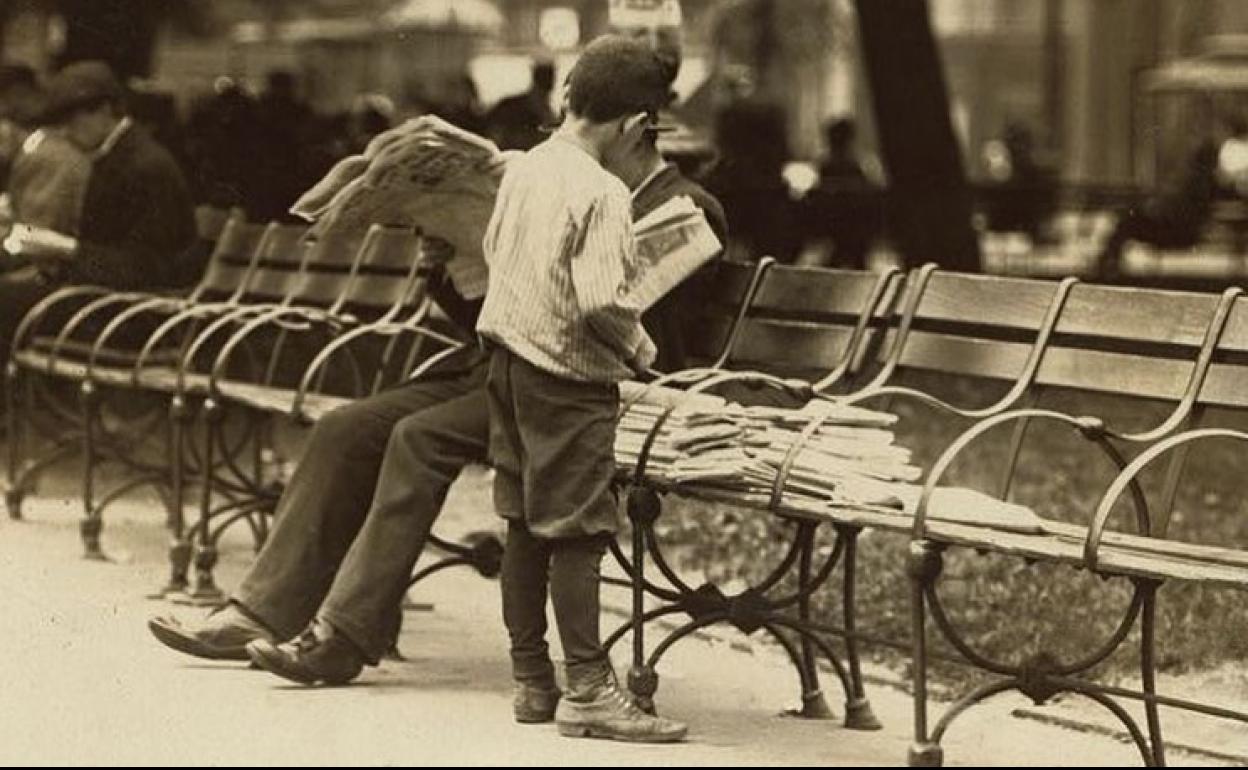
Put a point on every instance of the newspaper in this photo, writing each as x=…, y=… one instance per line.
x=673, y=241
x=425, y=174
x=429, y=175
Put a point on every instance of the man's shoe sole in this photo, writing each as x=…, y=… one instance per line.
x=593, y=731
x=173, y=636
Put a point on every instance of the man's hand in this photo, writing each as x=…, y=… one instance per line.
x=435, y=252
x=39, y=243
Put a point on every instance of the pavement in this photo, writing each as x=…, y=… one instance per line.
x=84, y=682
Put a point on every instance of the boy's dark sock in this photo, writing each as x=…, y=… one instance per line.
x=526, y=563
x=575, y=568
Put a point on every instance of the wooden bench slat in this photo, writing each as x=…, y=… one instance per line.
x=1235, y=335
x=1140, y=315
x=792, y=345
x=1081, y=368
x=1062, y=545
x=813, y=292
x=1226, y=385
x=1008, y=303
x=1230, y=557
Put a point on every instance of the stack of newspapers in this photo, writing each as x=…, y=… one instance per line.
x=844, y=453
x=837, y=456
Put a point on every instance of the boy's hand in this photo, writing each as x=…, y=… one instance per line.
x=644, y=357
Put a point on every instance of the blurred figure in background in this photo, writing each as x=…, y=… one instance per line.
x=136, y=221
x=1173, y=219
x=460, y=104
x=845, y=208
x=46, y=186
x=748, y=181
x=19, y=108
x=1233, y=157
x=370, y=115
x=157, y=112
x=515, y=123
x=281, y=143
x=1020, y=195
x=221, y=152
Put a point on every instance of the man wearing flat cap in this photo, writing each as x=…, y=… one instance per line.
x=137, y=218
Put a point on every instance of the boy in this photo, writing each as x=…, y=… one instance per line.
x=560, y=252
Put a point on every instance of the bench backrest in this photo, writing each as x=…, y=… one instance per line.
x=1226, y=384
x=210, y=220
x=800, y=322
x=329, y=266
x=230, y=262
x=961, y=324
x=1131, y=342
x=279, y=259
x=386, y=279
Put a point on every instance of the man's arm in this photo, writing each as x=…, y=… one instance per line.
x=602, y=264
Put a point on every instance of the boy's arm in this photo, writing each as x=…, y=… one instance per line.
x=602, y=265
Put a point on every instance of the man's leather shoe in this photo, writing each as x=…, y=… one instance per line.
x=223, y=635
x=319, y=655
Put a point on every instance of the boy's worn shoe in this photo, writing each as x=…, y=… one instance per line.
x=223, y=635
x=535, y=704
x=319, y=655
x=595, y=707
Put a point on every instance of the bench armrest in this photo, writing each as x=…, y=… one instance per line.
x=97, y=307
x=152, y=304
x=36, y=314
x=1022, y=383
x=1089, y=428
x=1129, y=476
x=289, y=319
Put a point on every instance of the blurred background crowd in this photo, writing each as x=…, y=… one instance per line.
x=1082, y=129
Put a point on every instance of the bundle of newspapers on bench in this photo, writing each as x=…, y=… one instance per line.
x=430, y=175
x=849, y=460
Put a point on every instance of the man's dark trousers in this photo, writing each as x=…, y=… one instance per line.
x=357, y=512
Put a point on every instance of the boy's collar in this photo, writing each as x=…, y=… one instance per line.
x=571, y=137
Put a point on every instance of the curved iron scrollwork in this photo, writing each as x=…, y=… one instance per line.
x=767, y=605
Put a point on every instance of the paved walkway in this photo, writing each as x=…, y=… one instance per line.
x=84, y=683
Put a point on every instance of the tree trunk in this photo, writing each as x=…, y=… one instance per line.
x=930, y=201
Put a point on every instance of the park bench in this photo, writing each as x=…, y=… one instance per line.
x=289, y=288
x=1027, y=341
x=785, y=335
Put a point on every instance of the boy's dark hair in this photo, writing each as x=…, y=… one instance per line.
x=614, y=77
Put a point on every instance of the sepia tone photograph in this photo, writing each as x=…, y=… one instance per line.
x=542, y=383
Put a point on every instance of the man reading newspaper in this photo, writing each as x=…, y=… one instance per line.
x=322, y=595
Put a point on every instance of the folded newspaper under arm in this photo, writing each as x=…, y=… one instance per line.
x=673, y=241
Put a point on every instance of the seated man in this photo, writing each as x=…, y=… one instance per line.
x=360, y=506
x=136, y=219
